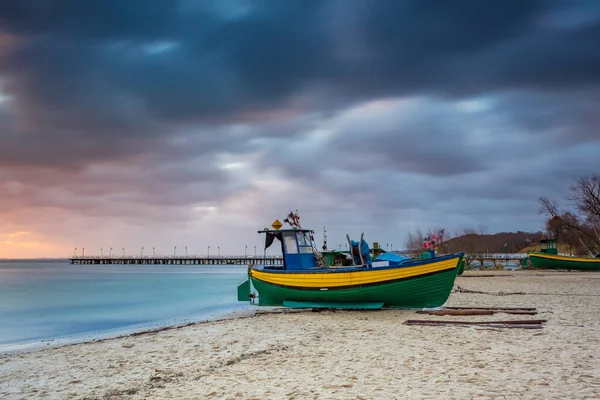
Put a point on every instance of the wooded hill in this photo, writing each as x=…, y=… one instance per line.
x=504, y=242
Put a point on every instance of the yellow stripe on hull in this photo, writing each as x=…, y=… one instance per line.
x=332, y=279
x=566, y=258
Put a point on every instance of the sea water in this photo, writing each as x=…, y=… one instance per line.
x=45, y=301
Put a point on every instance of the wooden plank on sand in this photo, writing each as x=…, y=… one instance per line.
x=492, y=326
x=456, y=312
x=474, y=312
x=435, y=322
x=492, y=308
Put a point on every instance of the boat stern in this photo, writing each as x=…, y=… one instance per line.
x=243, y=290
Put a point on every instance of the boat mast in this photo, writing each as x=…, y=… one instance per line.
x=324, y=239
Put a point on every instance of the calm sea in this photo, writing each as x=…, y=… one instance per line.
x=47, y=301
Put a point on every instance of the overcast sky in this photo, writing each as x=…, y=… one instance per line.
x=131, y=123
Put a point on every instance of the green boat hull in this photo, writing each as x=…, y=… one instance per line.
x=417, y=292
x=461, y=267
x=557, y=263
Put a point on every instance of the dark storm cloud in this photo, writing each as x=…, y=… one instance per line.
x=120, y=65
x=123, y=107
x=94, y=19
x=441, y=138
x=166, y=192
x=565, y=118
x=482, y=152
x=202, y=66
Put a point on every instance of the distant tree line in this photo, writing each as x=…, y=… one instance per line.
x=579, y=226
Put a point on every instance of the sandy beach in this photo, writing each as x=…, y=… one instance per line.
x=290, y=354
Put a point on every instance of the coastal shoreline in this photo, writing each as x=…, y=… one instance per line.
x=120, y=333
x=296, y=354
x=51, y=304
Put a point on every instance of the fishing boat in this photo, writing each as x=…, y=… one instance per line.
x=305, y=280
x=550, y=261
x=461, y=267
x=548, y=258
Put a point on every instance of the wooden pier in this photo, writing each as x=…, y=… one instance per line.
x=183, y=260
x=245, y=260
x=497, y=259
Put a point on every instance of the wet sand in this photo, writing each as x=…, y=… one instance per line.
x=289, y=354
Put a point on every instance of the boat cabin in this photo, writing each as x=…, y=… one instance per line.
x=296, y=246
x=548, y=246
x=376, y=251
x=337, y=258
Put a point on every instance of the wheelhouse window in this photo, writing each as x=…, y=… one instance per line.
x=304, y=242
x=289, y=238
x=301, y=240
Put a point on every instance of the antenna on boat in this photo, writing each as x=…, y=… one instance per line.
x=324, y=239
